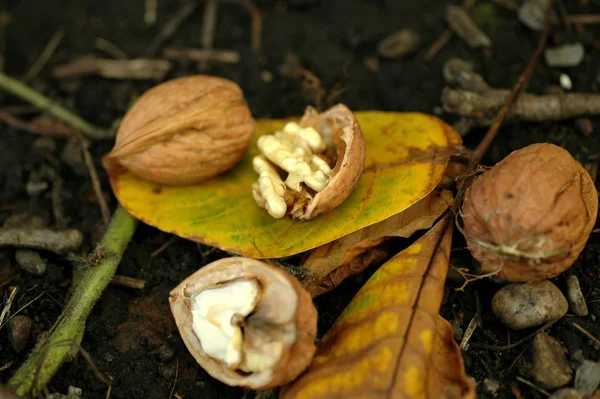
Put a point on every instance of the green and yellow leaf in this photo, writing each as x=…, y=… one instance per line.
x=405, y=159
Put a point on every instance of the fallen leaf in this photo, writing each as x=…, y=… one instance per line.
x=405, y=159
x=390, y=341
x=331, y=263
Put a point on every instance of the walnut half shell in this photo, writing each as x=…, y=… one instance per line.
x=311, y=167
x=247, y=323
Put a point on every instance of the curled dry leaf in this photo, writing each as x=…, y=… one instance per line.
x=390, y=342
x=407, y=156
x=331, y=263
x=323, y=157
x=247, y=323
x=529, y=217
x=183, y=131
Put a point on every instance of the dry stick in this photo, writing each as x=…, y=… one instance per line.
x=175, y=380
x=586, y=333
x=58, y=242
x=89, y=162
x=45, y=55
x=209, y=20
x=171, y=27
x=477, y=106
x=446, y=36
x=514, y=94
x=203, y=55
x=4, y=22
x=256, y=18
x=26, y=93
x=584, y=19
x=129, y=282
x=33, y=127
x=110, y=48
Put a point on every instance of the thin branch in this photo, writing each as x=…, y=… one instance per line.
x=514, y=94
x=89, y=163
x=171, y=27
x=45, y=55
x=30, y=95
x=50, y=354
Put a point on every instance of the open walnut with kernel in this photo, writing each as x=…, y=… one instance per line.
x=310, y=167
x=247, y=323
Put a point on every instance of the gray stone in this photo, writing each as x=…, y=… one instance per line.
x=587, y=377
x=575, y=297
x=521, y=305
x=31, y=262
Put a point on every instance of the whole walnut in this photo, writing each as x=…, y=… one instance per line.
x=184, y=131
x=528, y=218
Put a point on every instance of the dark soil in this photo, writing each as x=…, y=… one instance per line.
x=130, y=334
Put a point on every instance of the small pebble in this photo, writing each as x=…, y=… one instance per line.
x=399, y=44
x=166, y=372
x=587, y=377
x=575, y=297
x=567, y=55
x=565, y=81
x=522, y=305
x=31, y=262
x=34, y=188
x=533, y=14
x=266, y=76
x=19, y=329
x=165, y=353
x=550, y=368
x=72, y=393
x=566, y=393
x=491, y=386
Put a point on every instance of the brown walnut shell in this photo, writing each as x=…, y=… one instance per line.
x=283, y=306
x=184, y=131
x=529, y=217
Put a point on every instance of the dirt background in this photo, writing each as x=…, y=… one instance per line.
x=130, y=333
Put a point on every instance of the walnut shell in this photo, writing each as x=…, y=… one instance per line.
x=529, y=217
x=338, y=125
x=184, y=131
x=284, y=309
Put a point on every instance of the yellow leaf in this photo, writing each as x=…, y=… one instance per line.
x=390, y=341
x=331, y=263
x=405, y=158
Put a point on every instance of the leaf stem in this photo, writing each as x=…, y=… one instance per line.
x=50, y=353
x=26, y=93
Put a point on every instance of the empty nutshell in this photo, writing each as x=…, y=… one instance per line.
x=529, y=217
x=524, y=305
x=183, y=131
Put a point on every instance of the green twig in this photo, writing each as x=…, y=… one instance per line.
x=50, y=353
x=26, y=93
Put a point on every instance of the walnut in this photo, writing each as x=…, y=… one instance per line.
x=247, y=323
x=184, y=131
x=529, y=217
x=322, y=158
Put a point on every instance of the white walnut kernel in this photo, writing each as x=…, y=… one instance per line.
x=215, y=319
